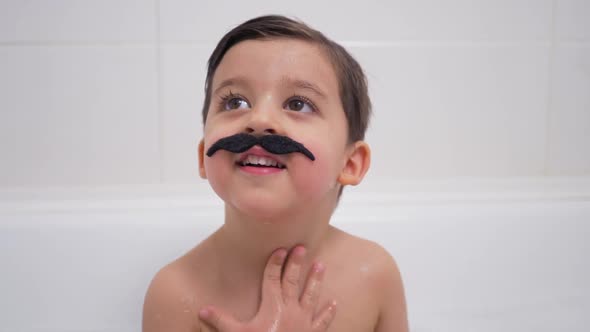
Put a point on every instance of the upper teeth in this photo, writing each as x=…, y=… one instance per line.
x=256, y=160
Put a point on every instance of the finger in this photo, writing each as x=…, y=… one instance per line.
x=324, y=319
x=217, y=319
x=292, y=274
x=311, y=292
x=205, y=328
x=271, y=284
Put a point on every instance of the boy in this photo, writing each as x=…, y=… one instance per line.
x=284, y=117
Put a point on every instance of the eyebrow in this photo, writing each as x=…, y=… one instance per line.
x=285, y=81
x=230, y=82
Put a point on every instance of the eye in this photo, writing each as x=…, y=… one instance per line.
x=232, y=101
x=300, y=104
x=235, y=103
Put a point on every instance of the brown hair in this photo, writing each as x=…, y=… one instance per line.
x=353, y=83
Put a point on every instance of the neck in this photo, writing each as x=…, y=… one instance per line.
x=244, y=244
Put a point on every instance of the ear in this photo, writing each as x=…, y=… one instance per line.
x=202, y=172
x=356, y=165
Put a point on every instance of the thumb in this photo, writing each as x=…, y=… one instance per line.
x=218, y=319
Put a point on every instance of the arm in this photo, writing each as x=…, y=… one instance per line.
x=393, y=312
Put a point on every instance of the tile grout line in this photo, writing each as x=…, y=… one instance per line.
x=347, y=43
x=159, y=94
x=77, y=43
x=549, y=97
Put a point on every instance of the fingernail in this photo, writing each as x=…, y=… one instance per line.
x=319, y=267
x=333, y=306
x=204, y=313
x=300, y=250
x=281, y=253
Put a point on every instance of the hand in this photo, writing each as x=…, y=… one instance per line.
x=281, y=309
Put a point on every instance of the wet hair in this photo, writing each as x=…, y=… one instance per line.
x=353, y=87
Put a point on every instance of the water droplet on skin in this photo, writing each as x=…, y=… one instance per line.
x=187, y=299
x=187, y=302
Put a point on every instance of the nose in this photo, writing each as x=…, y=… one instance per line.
x=263, y=119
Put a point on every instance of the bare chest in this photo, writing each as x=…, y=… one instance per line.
x=357, y=310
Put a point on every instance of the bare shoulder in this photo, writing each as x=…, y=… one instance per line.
x=383, y=278
x=172, y=300
x=373, y=257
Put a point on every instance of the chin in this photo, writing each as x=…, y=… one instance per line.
x=264, y=209
x=264, y=213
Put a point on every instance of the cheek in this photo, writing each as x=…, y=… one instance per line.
x=214, y=165
x=316, y=178
x=218, y=171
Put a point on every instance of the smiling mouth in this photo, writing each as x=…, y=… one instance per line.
x=260, y=162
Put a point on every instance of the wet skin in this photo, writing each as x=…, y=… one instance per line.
x=284, y=308
x=284, y=208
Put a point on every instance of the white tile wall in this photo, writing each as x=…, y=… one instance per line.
x=471, y=110
x=572, y=20
x=569, y=126
x=78, y=115
x=183, y=78
x=75, y=20
x=373, y=20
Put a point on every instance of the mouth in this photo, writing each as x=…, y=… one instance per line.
x=257, y=161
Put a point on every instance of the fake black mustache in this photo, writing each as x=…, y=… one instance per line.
x=275, y=144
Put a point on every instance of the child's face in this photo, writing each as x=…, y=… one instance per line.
x=262, y=98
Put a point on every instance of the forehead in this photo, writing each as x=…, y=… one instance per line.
x=267, y=62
